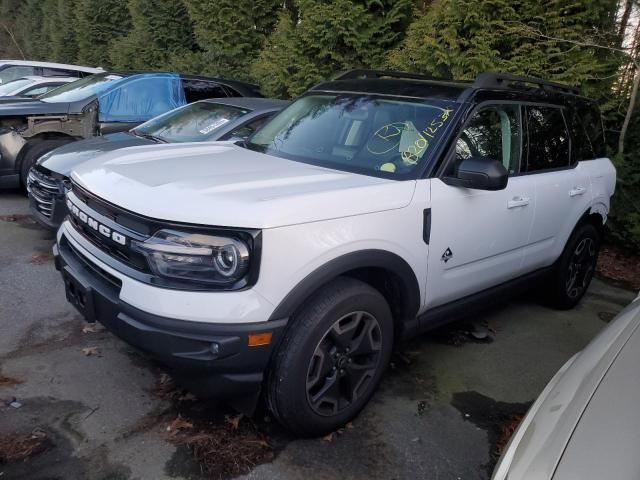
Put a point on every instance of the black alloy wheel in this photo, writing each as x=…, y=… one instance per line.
x=581, y=267
x=331, y=358
x=344, y=362
x=575, y=268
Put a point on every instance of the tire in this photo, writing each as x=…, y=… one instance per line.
x=34, y=151
x=575, y=267
x=313, y=357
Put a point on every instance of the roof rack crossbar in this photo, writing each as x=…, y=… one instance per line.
x=366, y=73
x=506, y=80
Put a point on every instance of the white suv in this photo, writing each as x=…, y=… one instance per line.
x=375, y=207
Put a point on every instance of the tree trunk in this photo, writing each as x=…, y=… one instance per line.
x=632, y=104
x=14, y=41
x=624, y=20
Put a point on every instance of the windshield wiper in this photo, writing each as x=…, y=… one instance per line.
x=148, y=136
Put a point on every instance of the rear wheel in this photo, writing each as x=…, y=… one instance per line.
x=576, y=267
x=331, y=358
x=35, y=151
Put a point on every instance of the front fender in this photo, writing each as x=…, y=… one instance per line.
x=351, y=261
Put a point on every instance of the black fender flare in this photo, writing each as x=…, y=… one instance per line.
x=381, y=259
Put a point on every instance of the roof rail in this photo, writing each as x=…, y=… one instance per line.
x=503, y=81
x=365, y=73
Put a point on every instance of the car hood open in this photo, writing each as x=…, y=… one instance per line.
x=226, y=185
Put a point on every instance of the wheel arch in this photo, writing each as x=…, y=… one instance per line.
x=36, y=139
x=385, y=271
x=596, y=215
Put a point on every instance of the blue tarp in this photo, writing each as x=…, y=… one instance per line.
x=140, y=97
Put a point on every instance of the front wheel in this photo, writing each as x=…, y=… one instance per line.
x=576, y=267
x=331, y=358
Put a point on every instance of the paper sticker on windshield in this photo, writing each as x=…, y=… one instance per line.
x=213, y=126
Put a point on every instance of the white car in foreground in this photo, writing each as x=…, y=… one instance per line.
x=586, y=423
x=375, y=207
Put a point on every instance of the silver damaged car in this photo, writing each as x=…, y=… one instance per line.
x=586, y=423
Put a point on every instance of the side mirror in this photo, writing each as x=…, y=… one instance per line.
x=479, y=173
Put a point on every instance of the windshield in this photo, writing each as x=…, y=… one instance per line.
x=360, y=133
x=196, y=122
x=80, y=89
x=9, y=88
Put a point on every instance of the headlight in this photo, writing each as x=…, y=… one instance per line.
x=209, y=259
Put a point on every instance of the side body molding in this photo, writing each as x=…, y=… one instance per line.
x=381, y=259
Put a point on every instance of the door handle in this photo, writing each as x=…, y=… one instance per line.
x=516, y=202
x=574, y=192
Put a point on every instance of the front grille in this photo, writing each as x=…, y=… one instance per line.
x=43, y=188
x=111, y=216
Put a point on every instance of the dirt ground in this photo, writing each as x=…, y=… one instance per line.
x=77, y=403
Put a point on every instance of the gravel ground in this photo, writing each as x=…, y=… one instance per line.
x=113, y=414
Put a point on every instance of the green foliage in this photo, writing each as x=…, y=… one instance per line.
x=230, y=33
x=61, y=30
x=99, y=23
x=30, y=31
x=10, y=10
x=462, y=38
x=324, y=38
x=160, y=30
x=624, y=220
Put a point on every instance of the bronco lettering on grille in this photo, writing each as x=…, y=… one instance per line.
x=95, y=225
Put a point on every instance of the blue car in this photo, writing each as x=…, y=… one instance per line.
x=96, y=105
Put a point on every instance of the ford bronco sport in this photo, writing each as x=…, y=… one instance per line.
x=376, y=206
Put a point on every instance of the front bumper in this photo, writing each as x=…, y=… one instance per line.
x=212, y=360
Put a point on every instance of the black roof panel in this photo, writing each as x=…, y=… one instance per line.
x=397, y=87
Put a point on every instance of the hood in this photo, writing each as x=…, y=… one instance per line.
x=607, y=438
x=31, y=106
x=219, y=183
x=64, y=159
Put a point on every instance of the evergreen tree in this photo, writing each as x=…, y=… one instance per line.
x=462, y=38
x=59, y=30
x=100, y=23
x=160, y=30
x=230, y=33
x=30, y=31
x=10, y=40
x=323, y=38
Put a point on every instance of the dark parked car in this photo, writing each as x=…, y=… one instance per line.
x=96, y=105
x=206, y=120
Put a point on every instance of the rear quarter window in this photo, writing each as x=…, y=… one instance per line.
x=588, y=114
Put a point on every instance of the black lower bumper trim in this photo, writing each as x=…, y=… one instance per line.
x=213, y=360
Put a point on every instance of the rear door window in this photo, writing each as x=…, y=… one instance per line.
x=547, y=139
